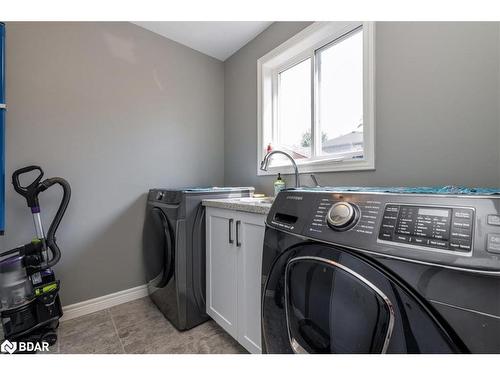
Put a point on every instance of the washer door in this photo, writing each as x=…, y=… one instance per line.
x=158, y=248
x=198, y=273
x=322, y=299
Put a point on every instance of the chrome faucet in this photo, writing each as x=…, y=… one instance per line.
x=265, y=163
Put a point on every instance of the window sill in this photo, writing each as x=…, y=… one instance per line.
x=320, y=167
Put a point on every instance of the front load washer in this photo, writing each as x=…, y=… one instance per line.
x=352, y=270
x=174, y=250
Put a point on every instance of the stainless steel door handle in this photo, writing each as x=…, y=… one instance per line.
x=296, y=347
x=231, y=231
x=238, y=225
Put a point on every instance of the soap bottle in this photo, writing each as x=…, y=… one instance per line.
x=279, y=185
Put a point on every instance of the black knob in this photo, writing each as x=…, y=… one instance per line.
x=342, y=216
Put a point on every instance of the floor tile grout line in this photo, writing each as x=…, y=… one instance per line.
x=116, y=331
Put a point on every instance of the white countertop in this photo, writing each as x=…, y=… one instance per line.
x=253, y=205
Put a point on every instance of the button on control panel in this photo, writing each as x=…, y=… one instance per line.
x=493, y=243
x=494, y=220
x=446, y=228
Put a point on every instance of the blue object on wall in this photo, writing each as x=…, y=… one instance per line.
x=2, y=128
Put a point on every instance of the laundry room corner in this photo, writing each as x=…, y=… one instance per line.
x=95, y=102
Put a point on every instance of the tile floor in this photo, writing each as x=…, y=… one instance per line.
x=139, y=327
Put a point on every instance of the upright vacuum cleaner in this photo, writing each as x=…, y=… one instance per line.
x=29, y=291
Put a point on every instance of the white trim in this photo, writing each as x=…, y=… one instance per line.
x=369, y=95
x=303, y=44
x=100, y=303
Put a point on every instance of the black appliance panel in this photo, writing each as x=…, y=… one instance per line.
x=446, y=228
x=470, y=241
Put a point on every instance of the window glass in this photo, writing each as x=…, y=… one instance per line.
x=316, y=99
x=294, y=110
x=340, y=94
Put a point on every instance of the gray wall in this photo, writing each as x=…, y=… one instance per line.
x=437, y=104
x=116, y=110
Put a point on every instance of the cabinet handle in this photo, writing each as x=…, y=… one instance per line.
x=238, y=224
x=231, y=230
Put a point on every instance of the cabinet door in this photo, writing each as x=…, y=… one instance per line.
x=250, y=242
x=221, y=269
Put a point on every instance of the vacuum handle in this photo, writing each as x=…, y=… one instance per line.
x=30, y=192
x=51, y=234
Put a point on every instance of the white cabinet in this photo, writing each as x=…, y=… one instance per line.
x=234, y=260
x=250, y=229
x=221, y=263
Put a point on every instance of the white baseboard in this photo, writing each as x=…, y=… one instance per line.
x=100, y=303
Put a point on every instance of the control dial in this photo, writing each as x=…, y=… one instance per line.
x=342, y=216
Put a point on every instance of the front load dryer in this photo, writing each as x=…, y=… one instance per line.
x=349, y=270
x=174, y=250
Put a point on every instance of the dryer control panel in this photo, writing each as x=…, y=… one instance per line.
x=460, y=231
x=445, y=228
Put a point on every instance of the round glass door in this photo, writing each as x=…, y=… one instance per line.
x=332, y=309
x=158, y=248
x=325, y=299
x=198, y=236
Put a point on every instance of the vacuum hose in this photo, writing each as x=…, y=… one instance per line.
x=30, y=193
x=51, y=234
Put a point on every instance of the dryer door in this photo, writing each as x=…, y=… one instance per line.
x=199, y=259
x=322, y=299
x=158, y=248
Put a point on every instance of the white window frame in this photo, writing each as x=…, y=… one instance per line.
x=296, y=49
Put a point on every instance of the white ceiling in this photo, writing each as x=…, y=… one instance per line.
x=216, y=39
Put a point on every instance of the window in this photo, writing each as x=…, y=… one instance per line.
x=316, y=99
x=294, y=107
